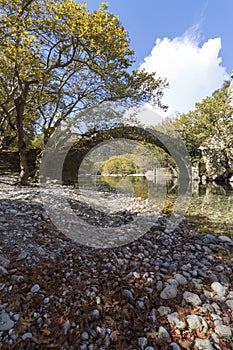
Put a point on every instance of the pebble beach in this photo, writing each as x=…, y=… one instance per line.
x=163, y=290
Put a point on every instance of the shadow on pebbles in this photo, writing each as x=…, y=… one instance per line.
x=165, y=290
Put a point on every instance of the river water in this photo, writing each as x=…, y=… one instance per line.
x=210, y=207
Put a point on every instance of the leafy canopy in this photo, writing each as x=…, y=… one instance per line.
x=210, y=128
x=120, y=165
x=57, y=58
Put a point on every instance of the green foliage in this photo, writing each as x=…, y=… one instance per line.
x=149, y=155
x=57, y=59
x=210, y=122
x=60, y=59
x=209, y=128
x=37, y=142
x=120, y=165
x=138, y=185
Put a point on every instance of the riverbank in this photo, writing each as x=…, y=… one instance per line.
x=165, y=290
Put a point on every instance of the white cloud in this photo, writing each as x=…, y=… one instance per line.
x=193, y=71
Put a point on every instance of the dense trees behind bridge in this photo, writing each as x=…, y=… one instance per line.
x=58, y=60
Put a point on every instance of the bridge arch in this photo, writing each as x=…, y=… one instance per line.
x=170, y=143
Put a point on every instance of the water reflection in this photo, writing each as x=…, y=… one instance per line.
x=136, y=186
x=210, y=207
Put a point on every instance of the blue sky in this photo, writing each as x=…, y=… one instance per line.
x=190, y=42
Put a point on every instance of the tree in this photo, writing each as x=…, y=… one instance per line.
x=208, y=131
x=149, y=156
x=120, y=165
x=58, y=59
x=7, y=133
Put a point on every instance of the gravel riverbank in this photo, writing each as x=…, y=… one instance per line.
x=165, y=290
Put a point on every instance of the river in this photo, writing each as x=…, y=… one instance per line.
x=210, y=207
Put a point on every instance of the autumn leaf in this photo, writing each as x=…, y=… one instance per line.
x=152, y=335
x=114, y=335
x=200, y=334
x=185, y=345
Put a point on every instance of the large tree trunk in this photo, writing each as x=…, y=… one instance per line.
x=24, y=169
x=36, y=171
x=34, y=174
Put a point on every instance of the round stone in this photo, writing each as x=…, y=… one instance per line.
x=83, y=347
x=223, y=331
x=84, y=336
x=174, y=319
x=136, y=274
x=163, y=336
x=22, y=256
x=164, y=310
x=35, y=288
x=173, y=282
x=180, y=279
x=95, y=313
x=203, y=344
x=159, y=285
x=16, y=317
x=192, y=298
x=196, y=322
x=230, y=303
x=175, y=346
x=127, y=293
x=219, y=288
x=225, y=239
x=5, y=322
x=66, y=327
x=26, y=336
x=142, y=342
x=169, y=292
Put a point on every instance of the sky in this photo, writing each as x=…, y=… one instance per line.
x=189, y=42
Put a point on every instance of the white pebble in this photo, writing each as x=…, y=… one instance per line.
x=26, y=336
x=35, y=288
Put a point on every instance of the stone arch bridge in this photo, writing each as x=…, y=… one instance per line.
x=171, y=144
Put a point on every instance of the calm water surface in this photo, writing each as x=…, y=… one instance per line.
x=210, y=207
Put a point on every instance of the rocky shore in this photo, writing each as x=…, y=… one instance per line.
x=165, y=290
